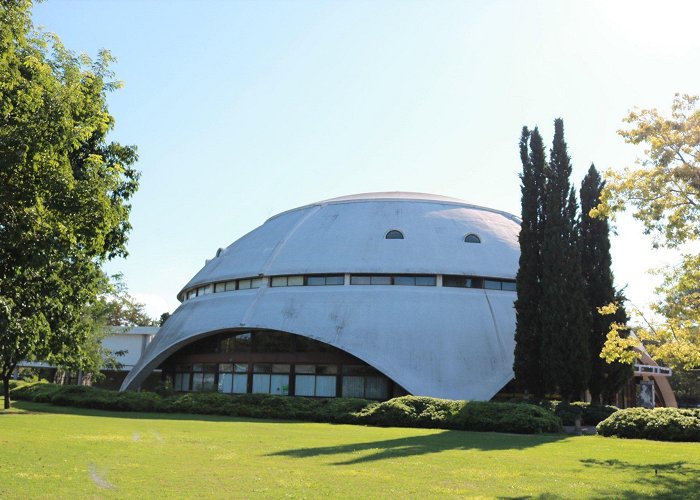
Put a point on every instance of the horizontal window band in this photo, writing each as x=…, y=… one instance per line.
x=336, y=279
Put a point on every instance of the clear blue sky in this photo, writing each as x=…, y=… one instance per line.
x=241, y=110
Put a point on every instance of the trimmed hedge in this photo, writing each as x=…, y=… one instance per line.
x=590, y=414
x=661, y=424
x=406, y=411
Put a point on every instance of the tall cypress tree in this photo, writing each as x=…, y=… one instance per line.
x=606, y=378
x=527, y=364
x=565, y=316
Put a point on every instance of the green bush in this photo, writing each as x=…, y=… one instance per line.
x=39, y=392
x=662, y=424
x=590, y=414
x=406, y=411
x=410, y=411
x=506, y=417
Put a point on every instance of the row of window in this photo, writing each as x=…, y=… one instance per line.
x=257, y=342
x=282, y=379
x=355, y=279
x=395, y=234
x=225, y=286
x=477, y=282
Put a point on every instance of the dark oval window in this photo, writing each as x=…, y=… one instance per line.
x=394, y=235
x=472, y=238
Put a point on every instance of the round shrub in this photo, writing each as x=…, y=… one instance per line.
x=505, y=417
x=662, y=424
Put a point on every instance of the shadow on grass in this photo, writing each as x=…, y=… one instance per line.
x=422, y=445
x=669, y=480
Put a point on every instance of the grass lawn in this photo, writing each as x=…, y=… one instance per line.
x=48, y=451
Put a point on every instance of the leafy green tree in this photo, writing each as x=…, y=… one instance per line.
x=64, y=196
x=664, y=188
x=606, y=378
x=565, y=316
x=664, y=193
x=116, y=307
x=163, y=318
x=528, y=365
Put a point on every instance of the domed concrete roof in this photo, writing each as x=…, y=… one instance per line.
x=433, y=340
x=348, y=234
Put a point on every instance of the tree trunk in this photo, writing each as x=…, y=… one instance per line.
x=6, y=390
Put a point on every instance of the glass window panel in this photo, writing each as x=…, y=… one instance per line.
x=325, y=386
x=206, y=289
x=305, y=344
x=509, y=286
x=304, y=369
x=426, y=280
x=394, y=235
x=209, y=367
x=219, y=287
x=472, y=238
x=197, y=367
x=182, y=382
x=453, y=281
x=256, y=283
x=240, y=383
x=242, y=342
x=357, y=370
x=279, y=384
x=208, y=381
x=191, y=294
x=492, y=284
x=376, y=388
x=183, y=368
x=226, y=346
x=186, y=382
x=230, y=286
x=326, y=369
x=359, y=280
x=226, y=367
x=295, y=280
x=243, y=284
x=474, y=283
x=197, y=379
x=305, y=385
x=272, y=342
x=240, y=367
x=280, y=368
x=335, y=280
x=226, y=382
x=380, y=280
x=353, y=387
x=278, y=281
x=262, y=368
x=316, y=280
x=261, y=383
x=404, y=280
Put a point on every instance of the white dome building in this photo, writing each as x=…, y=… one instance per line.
x=370, y=295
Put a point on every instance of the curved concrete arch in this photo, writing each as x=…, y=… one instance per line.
x=438, y=341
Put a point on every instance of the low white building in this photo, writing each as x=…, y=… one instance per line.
x=126, y=343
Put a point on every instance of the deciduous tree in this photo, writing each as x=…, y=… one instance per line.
x=64, y=191
x=663, y=191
